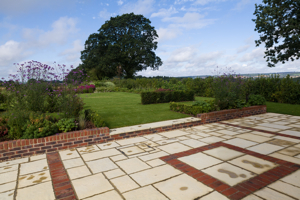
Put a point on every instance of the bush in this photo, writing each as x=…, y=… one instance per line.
x=66, y=124
x=164, y=97
x=3, y=127
x=196, y=108
x=256, y=100
x=92, y=116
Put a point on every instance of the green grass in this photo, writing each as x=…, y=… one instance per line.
x=283, y=108
x=120, y=109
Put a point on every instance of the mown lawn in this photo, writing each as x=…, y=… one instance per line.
x=120, y=109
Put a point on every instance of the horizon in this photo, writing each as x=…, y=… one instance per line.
x=195, y=36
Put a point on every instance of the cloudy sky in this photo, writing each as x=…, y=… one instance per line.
x=195, y=36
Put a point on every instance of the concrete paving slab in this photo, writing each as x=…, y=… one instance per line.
x=223, y=153
x=265, y=148
x=76, y=162
x=124, y=183
x=35, y=166
x=111, y=195
x=43, y=191
x=132, y=165
x=33, y=179
x=101, y=165
x=114, y=173
x=200, y=160
x=240, y=142
x=100, y=154
x=193, y=143
x=285, y=188
x=268, y=193
x=174, y=148
x=78, y=172
x=145, y=193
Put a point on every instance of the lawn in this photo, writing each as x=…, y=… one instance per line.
x=121, y=109
x=283, y=108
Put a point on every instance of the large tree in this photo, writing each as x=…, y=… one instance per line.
x=123, y=43
x=279, y=19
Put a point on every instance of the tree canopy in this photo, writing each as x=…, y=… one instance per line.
x=279, y=19
x=124, y=45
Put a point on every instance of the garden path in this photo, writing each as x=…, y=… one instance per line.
x=256, y=157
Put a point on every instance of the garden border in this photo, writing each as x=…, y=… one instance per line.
x=29, y=147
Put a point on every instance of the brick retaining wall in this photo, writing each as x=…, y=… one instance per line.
x=28, y=147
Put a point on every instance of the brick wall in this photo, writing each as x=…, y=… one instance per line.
x=28, y=147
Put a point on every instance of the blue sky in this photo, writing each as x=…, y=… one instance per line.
x=195, y=36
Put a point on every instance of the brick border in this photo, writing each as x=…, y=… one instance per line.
x=28, y=147
x=254, y=129
x=240, y=190
x=231, y=114
x=62, y=186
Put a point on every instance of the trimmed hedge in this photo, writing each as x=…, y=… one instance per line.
x=165, y=97
x=194, y=109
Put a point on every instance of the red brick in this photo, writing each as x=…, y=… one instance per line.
x=229, y=191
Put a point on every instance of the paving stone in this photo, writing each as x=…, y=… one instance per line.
x=13, y=162
x=132, y=165
x=203, y=134
x=291, y=151
x=273, y=125
x=252, y=197
x=254, y=138
x=35, y=178
x=175, y=133
x=155, y=137
x=100, y=154
x=153, y=156
x=226, y=132
x=101, y=165
x=88, y=149
x=286, y=158
x=118, y=157
x=154, y=175
x=114, y=173
x=201, y=127
x=266, y=128
x=174, y=148
x=298, y=146
x=287, y=139
x=211, y=139
x=132, y=150
x=293, y=178
x=200, y=160
x=8, y=187
x=223, y=153
x=68, y=154
x=167, y=141
x=240, y=142
x=156, y=162
x=253, y=164
x=182, y=187
x=196, y=137
x=111, y=195
x=280, y=142
x=38, y=157
x=214, y=195
x=193, y=143
x=7, y=195
x=145, y=193
x=32, y=167
x=146, y=144
x=131, y=141
x=8, y=177
x=183, y=138
x=108, y=145
x=286, y=189
x=76, y=162
x=124, y=183
x=228, y=173
x=91, y=185
x=8, y=168
x=265, y=148
x=43, y=191
x=262, y=134
x=78, y=172
x=268, y=193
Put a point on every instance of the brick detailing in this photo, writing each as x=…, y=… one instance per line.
x=61, y=183
x=231, y=114
x=240, y=190
x=29, y=147
x=254, y=129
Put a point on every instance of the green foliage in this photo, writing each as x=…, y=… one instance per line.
x=278, y=19
x=94, y=117
x=3, y=127
x=256, y=100
x=66, y=124
x=124, y=49
x=194, y=109
x=164, y=97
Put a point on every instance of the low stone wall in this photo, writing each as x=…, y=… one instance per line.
x=28, y=147
x=231, y=114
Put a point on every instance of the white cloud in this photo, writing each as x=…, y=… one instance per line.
x=189, y=21
x=140, y=7
x=120, y=2
x=243, y=48
x=167, y=33
x=165, y=12
x=104, y=14
x=181, y=1
x=74, y=52
x=60, y=33
x=11, y=52
x=182, y=55
x=256, y=55
x=204, y=2
x=242, y=4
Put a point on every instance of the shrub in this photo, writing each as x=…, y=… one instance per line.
x=88, y=115
x=256, y=100
x=3, y=127
x=164, y=97
x=66, y=124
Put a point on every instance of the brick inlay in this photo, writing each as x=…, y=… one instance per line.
x=254, y=129
x=63, y=189
x=240, y=190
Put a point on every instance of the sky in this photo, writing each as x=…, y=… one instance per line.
x=196, y=37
